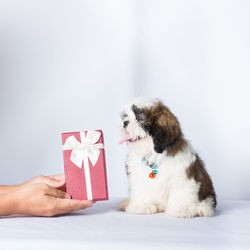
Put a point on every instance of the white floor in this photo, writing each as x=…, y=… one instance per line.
x=104, y=227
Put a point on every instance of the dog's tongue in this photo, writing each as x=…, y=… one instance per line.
x=125, y=139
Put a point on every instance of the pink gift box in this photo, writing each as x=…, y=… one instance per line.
x=84, y=165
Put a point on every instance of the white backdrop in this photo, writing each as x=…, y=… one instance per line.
x=71, y=65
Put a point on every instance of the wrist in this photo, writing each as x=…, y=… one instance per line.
x=8, y=204
x=4, y=189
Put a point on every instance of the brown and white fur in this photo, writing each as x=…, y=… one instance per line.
x=182, y=187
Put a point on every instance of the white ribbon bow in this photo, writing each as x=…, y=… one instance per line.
x=88, y=148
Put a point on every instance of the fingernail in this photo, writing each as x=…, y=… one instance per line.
x=89, y=205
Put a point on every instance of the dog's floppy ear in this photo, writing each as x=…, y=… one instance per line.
x=166, y=129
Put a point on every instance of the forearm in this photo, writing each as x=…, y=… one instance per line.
x=7, y=188
x=7, y=204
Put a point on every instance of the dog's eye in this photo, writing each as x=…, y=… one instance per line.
x=139, y=117
x=125, y=124
x=123, y=115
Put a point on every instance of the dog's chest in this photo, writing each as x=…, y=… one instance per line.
x=139, y=173
x=141, y=185
x=136, y=166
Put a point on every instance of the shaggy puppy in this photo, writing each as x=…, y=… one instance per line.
x=165, y=173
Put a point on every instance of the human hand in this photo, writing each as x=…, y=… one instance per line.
x=41, y=200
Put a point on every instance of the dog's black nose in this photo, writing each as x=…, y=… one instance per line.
x=125, y=124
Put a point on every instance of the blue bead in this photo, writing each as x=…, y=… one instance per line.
x=144, y=160
x=155, y=171
x=154, y=166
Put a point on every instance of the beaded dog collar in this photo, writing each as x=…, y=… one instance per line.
x=152, y=165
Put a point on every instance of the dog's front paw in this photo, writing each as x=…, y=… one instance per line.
x=123, y=204
x=182, y=212
x=141, y=209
